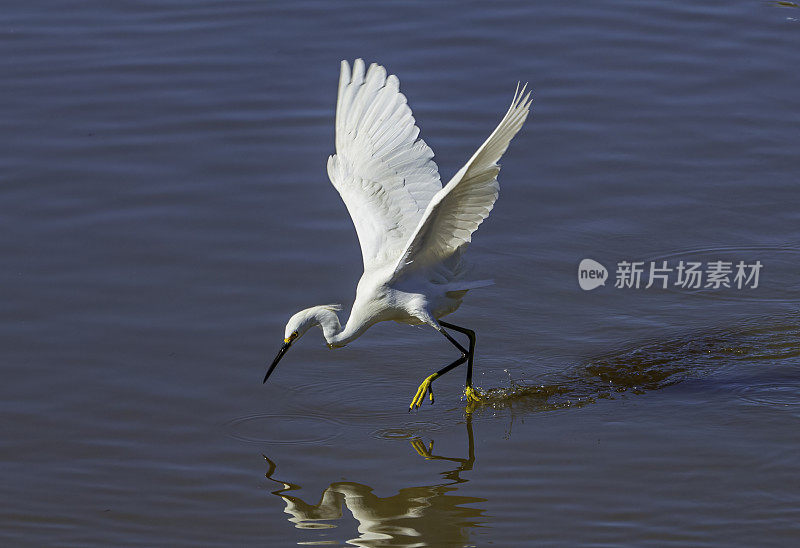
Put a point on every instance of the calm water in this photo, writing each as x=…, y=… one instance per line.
x=165, y=208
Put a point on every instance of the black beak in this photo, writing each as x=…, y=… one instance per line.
x=281, y=352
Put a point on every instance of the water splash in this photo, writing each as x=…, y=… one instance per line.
x=647, y=367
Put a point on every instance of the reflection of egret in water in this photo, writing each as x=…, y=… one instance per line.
x=428, y=515
x=650, y=367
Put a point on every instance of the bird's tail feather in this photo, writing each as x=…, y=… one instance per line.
x=467, y=285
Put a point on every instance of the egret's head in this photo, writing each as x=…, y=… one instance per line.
x=296, y=327
x=301, y=322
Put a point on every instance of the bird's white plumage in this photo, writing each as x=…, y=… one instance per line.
x=384, y=173
x=412, y=230
x=456, y=211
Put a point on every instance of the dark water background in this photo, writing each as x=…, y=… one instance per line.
x=165, y=208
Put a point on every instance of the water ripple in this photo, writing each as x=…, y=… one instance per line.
x=774, y=394
x=407, y=431
x=284, y=429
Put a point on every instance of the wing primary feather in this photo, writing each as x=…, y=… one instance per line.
x=383, y=171
x=453, y=215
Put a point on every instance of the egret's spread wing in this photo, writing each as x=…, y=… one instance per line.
x=456, y=211
x=383, y=171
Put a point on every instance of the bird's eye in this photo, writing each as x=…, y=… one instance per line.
x=293, y=336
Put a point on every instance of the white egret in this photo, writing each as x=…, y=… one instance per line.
x=412, y=230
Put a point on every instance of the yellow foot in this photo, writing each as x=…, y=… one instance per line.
x=471, y=395
x=419, y=397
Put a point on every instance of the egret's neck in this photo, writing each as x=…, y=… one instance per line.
x=328, y=321
x=340, y=337
x=332, y=330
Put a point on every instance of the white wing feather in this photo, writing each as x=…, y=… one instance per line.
x=461, y=206
x=384, y=173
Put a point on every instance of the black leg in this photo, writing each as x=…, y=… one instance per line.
x=466, y=356
x=453, y=365
x=470, y=353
